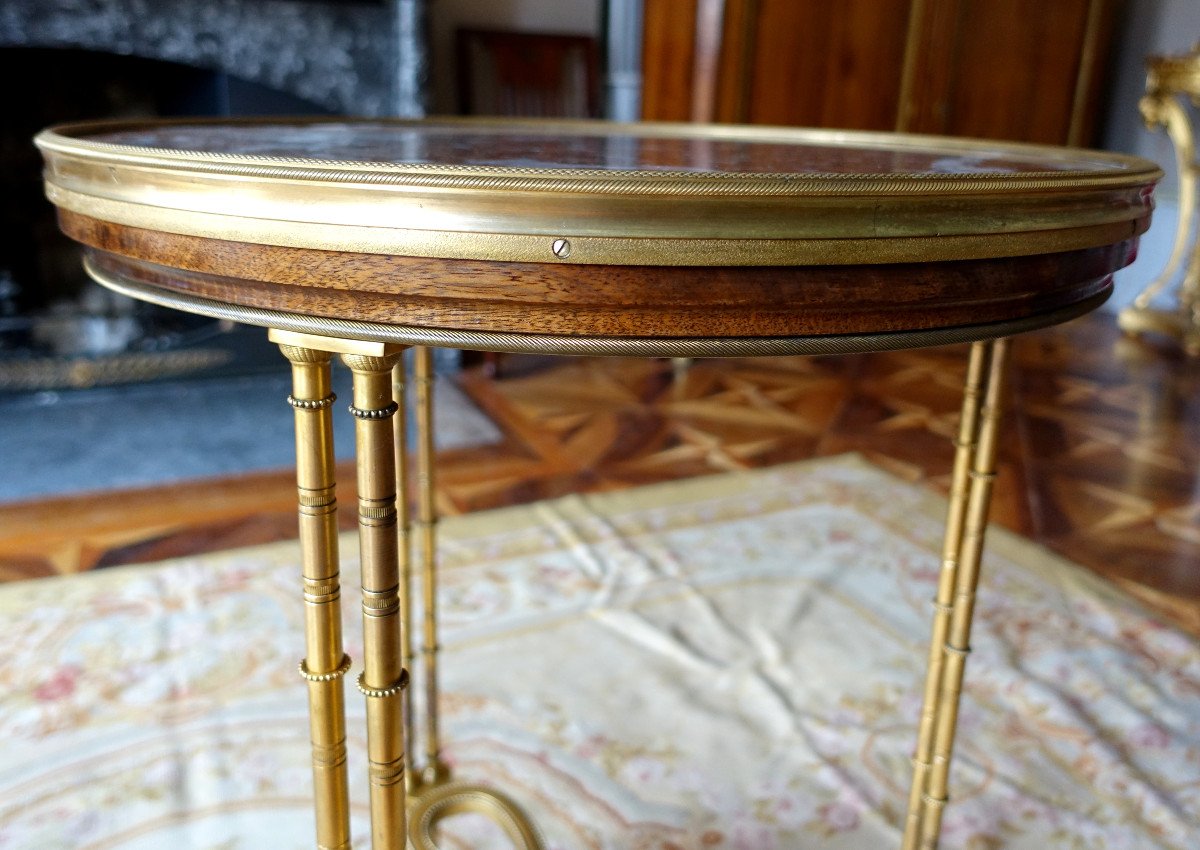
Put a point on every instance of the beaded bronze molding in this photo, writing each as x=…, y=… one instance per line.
x=378, y=413
x=312, y=403
x=337, y=673
x=382, y=693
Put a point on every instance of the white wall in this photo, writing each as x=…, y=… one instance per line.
x=1151, y=27
x=579, y=17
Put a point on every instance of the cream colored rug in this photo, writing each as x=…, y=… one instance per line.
x=730, y=662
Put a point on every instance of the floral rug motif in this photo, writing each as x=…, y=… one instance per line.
x=726, y=663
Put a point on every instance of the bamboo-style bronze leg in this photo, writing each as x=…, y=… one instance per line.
x=404, y=522
x=434, y=770
x=384, y=678
x=964, y=458
x=324, y=661
x=384, y=522
x=437, y=796
x=974, y=472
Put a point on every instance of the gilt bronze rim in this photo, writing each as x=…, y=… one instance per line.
x=612, y=217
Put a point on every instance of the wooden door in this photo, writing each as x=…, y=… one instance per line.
x=1026, y=70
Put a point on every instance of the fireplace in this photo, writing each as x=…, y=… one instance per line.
x=74, y=59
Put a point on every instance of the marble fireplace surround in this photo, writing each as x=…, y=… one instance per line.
x=357, y=58
x=364, y=57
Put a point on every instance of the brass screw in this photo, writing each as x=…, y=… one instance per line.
x=561, y=248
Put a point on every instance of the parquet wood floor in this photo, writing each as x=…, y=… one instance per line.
x=1100, y=459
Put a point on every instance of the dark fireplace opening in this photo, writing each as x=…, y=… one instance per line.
x=58, y=329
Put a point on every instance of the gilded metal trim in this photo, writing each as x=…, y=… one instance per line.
x=583, y=345
x=70, y=140
x=336, y=673
x=312, y=403
x=383, y=693
x=52, y=373
x=434, y=805
x=332, y=345
x=374, y=413
x=1174, y=73
x=618, y=217
x=885, y=230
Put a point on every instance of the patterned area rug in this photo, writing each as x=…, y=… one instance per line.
x=728, y=662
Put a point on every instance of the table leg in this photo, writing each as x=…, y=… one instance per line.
x=384, y=678
x=404, y=523
x=324, y=661
x=966, y=524
x=384, y=525
x=434, y=770
x=437, y=797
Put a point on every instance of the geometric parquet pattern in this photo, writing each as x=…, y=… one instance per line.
x=1100, y=458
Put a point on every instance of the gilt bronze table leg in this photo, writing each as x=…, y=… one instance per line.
x=434, y=770
x=404, y=523
x=966, y=524
x=384, y=678
x=324, y=661
x=384, y=518
x=437, y=795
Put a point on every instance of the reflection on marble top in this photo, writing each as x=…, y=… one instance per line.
x=602, y=147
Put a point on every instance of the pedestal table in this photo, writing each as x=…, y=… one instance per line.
x=364, y=238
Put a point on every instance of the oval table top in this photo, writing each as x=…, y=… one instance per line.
x=591, y=237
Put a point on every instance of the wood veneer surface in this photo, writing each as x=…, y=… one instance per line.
x=604, y=300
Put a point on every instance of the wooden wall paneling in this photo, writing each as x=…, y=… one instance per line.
x=1017, y=66
x=930, y=53
x=1099, y=32
x=1025, y=70
x=829, y=64
x=788, y=65
x=706, y=57
x=738, y=48
x=865, y=64
x=668, y=59
x=701, y=70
